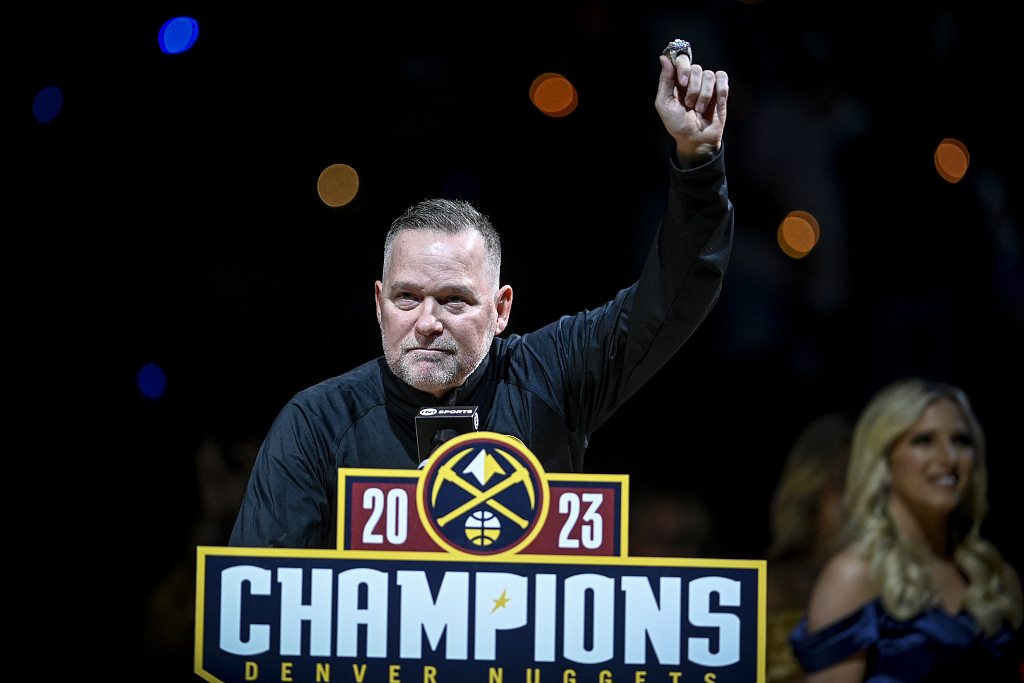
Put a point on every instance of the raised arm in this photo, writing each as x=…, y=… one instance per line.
x=603, y=356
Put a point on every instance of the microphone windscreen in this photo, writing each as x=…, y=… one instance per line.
x=445, y=423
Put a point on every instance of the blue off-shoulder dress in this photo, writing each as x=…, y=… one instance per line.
x=933, y=646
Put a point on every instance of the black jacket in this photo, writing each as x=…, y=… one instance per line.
x=551, y=388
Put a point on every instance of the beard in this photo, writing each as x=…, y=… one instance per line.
x=439, y=373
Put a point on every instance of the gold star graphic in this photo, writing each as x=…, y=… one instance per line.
x=500, y=602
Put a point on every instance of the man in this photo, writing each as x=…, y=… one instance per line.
x=439, y=305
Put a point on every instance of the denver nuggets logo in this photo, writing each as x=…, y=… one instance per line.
x=482, y=493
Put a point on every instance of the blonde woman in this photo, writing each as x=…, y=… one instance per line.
x=806, y=521
x=916, y=594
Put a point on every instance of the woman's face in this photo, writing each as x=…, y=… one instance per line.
x=931, y=464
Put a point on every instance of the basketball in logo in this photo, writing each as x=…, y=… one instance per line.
x=482, y=528
x=483, y=493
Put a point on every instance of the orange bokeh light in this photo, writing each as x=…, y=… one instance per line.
x=952, y=160
x=553, y=94
x=337, y=185
x=798, y=233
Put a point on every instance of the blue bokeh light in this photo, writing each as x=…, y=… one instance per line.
x=178, y=34
x=152, y=381
x=47, y=104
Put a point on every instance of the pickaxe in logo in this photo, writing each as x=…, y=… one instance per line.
x=447, y=473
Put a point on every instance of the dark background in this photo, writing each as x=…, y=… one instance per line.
x=170, y=214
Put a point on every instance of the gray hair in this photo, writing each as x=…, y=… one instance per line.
x=450, y=217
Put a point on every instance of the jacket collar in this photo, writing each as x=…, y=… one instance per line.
x=403, y=401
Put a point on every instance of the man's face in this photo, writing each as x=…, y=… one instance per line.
x=438, y=308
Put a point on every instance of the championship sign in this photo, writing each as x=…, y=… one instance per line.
x=482, y=568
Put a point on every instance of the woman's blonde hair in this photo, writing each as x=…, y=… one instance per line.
x=897, y=564
x=817, y=460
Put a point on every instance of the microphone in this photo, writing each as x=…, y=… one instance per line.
x=437, y=424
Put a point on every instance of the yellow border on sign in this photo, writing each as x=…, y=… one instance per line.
x=418, y=556
x=512, y=444
x=583, y=560
x=762, y=621
x=197, y=662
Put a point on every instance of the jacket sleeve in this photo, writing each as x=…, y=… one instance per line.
x=595, y=360
x=288, y=500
